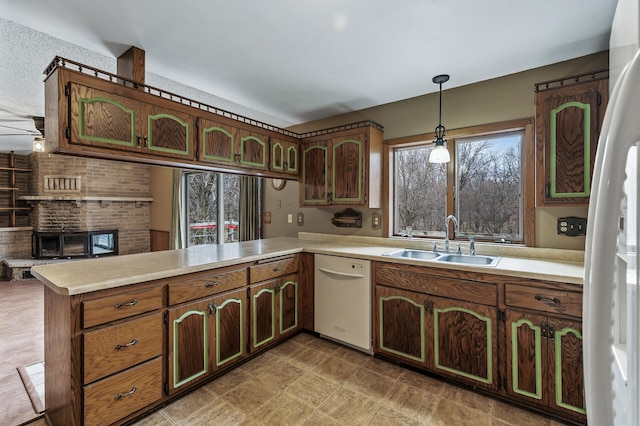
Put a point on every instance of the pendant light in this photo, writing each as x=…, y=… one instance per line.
x=439, y=153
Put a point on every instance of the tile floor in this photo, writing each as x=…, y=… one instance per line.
x=310, y=381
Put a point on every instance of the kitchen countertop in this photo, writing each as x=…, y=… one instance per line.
x=87, y=275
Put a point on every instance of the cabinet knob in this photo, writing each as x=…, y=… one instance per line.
x=211, y=283
x=146, y=141
x=139, y=140
x=213, y=308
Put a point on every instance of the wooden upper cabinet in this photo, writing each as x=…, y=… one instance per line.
x=314, y=188
x=221, y=142
x=108, y=120
x=253, y=149
x=284, y=156
x=217, y=142
x=103, y=119
x=342, y=168
x=568, y=123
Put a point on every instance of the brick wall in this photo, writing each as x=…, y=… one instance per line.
x=15, y=243
x=95, y=178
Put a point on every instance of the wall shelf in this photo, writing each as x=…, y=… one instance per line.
x=12, y=189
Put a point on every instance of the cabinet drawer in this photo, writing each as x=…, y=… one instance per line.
x=118, y=396
x=273, y=269
x=472, y=291
x=116, y=348
x=546, y=300
x=206, y=285
x=95, y=312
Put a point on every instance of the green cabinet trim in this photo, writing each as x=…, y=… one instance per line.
x=274, y=147
x=586, y=108
x=381, y=301
x=152, y=118
x=295, y=155
x=334, y=168
x=176, y=349
x=295, y=322
x=324, y=200
x=208, y=130
x=488, y=379
x=253, y=163
x=514, y=358
x=219, y=361
x=255, y=317
x=558, y=352
x=84, y=101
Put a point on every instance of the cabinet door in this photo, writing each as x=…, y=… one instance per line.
x=263, y=313
x=190, y=343
x=568, y=121
x=217, y=142
x=284, y=156
x=463, y=337
x=566, y=380
x=347, y=169
x=526, y=357
x=253, y=149
x=288, y=305
x=400, y=319
x=314, y=189
x=102, y=119
x=169, y=133
x=230, y=327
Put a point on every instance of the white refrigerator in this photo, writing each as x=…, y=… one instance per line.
x=611, y=308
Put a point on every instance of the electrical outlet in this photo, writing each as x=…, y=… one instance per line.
x=300, y=218
x=290, y=218
x=376, y=221
x=572, y=226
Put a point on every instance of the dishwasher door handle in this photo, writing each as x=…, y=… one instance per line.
x=341, y=274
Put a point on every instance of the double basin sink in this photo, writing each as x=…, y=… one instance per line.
x=466, y=259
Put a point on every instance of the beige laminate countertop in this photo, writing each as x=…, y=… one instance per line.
x=87, y=275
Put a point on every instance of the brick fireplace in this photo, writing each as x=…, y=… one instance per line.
x=75, y=196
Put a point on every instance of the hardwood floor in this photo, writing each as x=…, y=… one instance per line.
x=22, y=344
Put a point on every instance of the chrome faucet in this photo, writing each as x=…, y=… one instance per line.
x=472, y=246
x=446, y=231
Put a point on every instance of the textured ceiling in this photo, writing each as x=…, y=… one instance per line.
x=303, y=60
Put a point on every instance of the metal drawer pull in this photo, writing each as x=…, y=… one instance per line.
x=124, y=305
x=131, y=392
x=277, y=268
x=211, y=283
x=547, y=300
x=126, y=345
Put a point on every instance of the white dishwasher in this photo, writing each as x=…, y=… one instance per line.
x=342, y=307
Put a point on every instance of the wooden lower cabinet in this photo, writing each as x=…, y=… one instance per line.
x=400, y=327
x=205, y=336
x=447, y=336
x=544, y=362
x=463, y=339
x=274, y=310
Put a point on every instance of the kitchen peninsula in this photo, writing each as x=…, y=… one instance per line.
x=130, y=333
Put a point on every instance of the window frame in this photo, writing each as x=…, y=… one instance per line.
x=528, y=172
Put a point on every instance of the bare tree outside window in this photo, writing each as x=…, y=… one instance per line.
x=420, y=192
x=202, y=200
x=487, y=188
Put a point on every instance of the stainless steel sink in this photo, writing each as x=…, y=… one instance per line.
x=470, y=260
x=413, y=254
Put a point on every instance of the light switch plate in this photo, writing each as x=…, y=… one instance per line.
x=290, y=218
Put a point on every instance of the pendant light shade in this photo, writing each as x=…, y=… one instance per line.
x=440, y=153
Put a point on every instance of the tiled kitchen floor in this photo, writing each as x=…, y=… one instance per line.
x=310, y=381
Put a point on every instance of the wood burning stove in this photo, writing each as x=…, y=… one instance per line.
x=67, y=245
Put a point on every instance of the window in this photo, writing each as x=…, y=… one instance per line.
x=484, y=186
x=208, y=196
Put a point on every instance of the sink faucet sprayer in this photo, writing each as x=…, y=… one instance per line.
x=446, y=231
